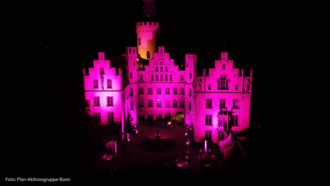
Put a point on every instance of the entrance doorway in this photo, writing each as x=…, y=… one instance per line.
x=167, y=117
x=159, y=117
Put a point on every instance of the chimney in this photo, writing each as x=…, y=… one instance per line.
x=120, y=71
x=84, y=71
x=204, y=72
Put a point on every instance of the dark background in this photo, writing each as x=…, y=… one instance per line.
x=272, y=38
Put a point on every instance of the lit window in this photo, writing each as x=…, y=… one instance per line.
x=110, y=117
x=159, y=103
x=208, y=103
x=236, y=103
x=96, y=84
x=181, y=104
x=208, y=120
x=167, y=104
x=182, y=91
x=96, y=101
x=110, y=101
x=109, y=83
x=222, y=103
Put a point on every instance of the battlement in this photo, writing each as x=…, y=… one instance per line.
x=191, y=57
x=130, y=50
x=145, y=26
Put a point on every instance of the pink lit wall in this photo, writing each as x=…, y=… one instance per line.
x=206, y=88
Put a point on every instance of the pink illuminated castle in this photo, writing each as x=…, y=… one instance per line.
x=152, y=87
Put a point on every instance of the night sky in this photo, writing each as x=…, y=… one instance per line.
x=48, y=42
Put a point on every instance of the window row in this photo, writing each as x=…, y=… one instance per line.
x=109, y=101
x=222, y=121
x=161, y=69
x=167, y=103
x=110, y=117
x=222, y=103
x=221, y=135
x=236, y=87
x=167, y=91
x=109, y=83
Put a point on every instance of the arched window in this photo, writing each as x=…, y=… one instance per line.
x=161, y=69
x=156, y=69
x=161, y=77
x=139, y=41
x=165, y=77
x=148, y=54
x=156, y=77
x=165, y=69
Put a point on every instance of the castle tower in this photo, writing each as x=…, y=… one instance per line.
x=147, y=32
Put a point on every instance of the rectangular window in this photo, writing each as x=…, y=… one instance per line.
x=187, y=64
x=156, y=77
x=96, y=101
x=130, y=75
x=236, y=103
x=149, y=90
x=96, y=84
x=109, y=83
x=141, y=91
x=165, y=77
x=223, y=82
x=131, y=92
x=208, y=120
x=159, y=104
x=222, y=121
x=98, y=117
x=208, y=135
x=161, y=77
x=102, y=70
x=181, y=79
x=175, y=104
x=152, y=77
x=189, y=105
x=189, y=92
x=167, y=104
x=175, y=91
x=223, y=67
x=209, y=87
x=222, y=103
x=170, y=77
x=110, y=117
x=236, y=87
x=208, y=103
x=181, y=104
x=167, y=90
x=221, y=135
x=159, y=91
x=141, y=103
x=141, y=77
x=182, y=91
x=235, y=118
x=190, y=75
x=131, y=105
x=150, y=103
x=110, y=101
x=194, y=65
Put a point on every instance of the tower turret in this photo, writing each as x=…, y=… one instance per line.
x=147, y=32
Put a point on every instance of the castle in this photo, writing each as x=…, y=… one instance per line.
x=214, y=105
